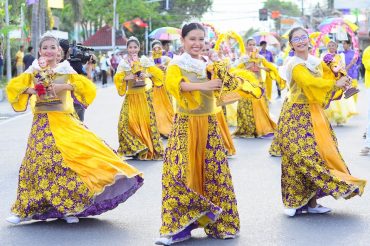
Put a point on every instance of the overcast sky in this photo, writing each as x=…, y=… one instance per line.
x=240, y=15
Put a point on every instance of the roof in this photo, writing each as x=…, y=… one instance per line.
x=103, y=37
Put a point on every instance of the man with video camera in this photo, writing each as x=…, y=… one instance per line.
x=82, y=62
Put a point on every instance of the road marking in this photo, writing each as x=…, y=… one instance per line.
x=15, y=117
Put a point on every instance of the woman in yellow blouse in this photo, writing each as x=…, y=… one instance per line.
x=197, y=189
x=253, y=114
x=161, y=101
x=67, y=172
x=137, y=127
x=312, y=166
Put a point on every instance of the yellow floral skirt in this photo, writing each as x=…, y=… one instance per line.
x=275, y=145
x=163, y=109
x=254, y=119
x=311, y=162
x=68, y=170
x=196, y=180
x=137, y=128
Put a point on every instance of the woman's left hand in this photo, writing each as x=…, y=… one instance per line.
x=59, y=88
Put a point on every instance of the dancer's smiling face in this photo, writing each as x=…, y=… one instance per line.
x=299, y=41
x=194, y=42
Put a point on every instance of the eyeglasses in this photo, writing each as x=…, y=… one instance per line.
x=302, y=38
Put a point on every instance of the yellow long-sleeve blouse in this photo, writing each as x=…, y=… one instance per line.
x=307, y=87
x=126, y=86
x=84, y=90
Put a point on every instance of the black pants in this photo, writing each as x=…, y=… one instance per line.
x=104, y=80
x=278, y=90
x=80, y=111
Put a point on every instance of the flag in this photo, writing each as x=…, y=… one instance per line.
x=56, y=4
x=128, y=26
x=30, y=2
x=139, y=22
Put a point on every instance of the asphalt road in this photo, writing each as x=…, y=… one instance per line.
x=256, y=179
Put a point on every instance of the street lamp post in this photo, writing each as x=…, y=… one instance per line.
x=114, y=25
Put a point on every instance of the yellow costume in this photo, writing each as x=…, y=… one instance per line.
x=196, y=181
x=253, y=114
x=137, y=127
x=67, y=169
x=311, y=162
x=163, y=108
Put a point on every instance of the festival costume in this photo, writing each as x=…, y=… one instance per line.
x=253, y=114
x=162, y=105
x=197, y=189
x=67, y=170
x=311, y=162
x=137, y=127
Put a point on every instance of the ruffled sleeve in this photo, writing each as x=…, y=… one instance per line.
x=273, y=74
x=188, y=100
x=157, y=75
x=366, y=62
x=15, y=91
x=316, y=89
x=120, y=83
x=84, y=90
x=248, y=87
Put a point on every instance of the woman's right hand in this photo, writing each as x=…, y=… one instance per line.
x=30, y=91
x=130, y=76
x=343, y=82
x=212, y=85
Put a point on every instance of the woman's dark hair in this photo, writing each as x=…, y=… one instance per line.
x=156, y=42
x=249, y=39
x=133, y=39
x=190, y=27
x=347, y=41
x=294, y=30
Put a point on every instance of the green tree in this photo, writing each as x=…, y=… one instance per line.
x=285, y=8
x=248, y=34
x=96, y=13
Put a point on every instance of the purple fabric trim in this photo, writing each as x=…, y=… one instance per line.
x=271, y=134
x=76, y=101
x=98, y=207
x=157, y=61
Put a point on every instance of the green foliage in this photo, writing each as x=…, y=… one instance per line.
x=97, y=12
x=285, y=8
x=6, y=29
x=248, y=34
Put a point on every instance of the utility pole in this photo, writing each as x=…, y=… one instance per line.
x=167, y=5
x=8, y=58
x=302, y=8
x=114, y=25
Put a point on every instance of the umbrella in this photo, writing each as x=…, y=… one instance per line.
x=165, y=33
x=265, y=36
x=337, y=21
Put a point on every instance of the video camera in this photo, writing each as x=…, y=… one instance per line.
x=80, y=53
